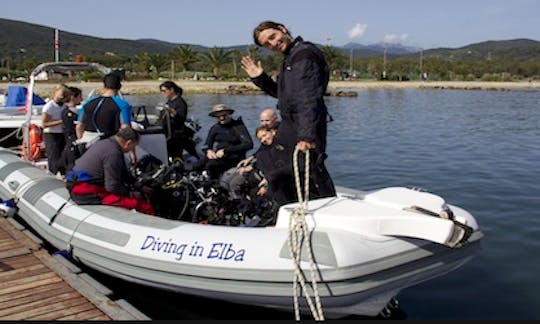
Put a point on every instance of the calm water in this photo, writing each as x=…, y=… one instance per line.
x=477, y=149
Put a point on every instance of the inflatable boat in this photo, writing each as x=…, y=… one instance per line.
x=359, y=249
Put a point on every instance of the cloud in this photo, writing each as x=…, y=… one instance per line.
x=395, y=39
x=357, y=31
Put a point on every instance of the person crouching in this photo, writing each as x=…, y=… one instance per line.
x=100, y=175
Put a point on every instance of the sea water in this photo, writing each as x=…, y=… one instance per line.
x=477, y=149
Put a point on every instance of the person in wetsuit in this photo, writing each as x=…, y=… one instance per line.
x=69, y=117
x=226, y=144
x=300, y=89
x=273, y=160
x=107, y=113
x=173, y=116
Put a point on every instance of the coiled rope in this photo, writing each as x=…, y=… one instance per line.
x=298, y=233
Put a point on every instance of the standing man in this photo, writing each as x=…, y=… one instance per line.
x=104, y=115
x=300, y=90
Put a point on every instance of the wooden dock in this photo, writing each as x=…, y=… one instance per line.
x=35, y=285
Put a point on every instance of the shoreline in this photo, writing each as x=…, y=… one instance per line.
x=246, y=87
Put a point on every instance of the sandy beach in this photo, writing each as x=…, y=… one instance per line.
x=239, y=87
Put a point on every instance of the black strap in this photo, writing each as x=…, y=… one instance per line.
x=58, y=211
x=98, y=106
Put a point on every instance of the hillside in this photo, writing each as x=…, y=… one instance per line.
x=37, y=41
x=509, y=50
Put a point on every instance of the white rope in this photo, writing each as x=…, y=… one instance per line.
x=14, y=132
x=298, y=233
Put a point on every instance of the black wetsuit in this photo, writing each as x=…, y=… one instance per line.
x=275, y=163
x=181, y=136
x=233, y=138
x=71, y=152
x=300, y=90
x=105, y=115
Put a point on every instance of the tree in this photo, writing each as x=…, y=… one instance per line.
x=151, y=63
x=184, y=55
x=334, y=57
x=216, y=58
x=254, y=52
x=235, y=55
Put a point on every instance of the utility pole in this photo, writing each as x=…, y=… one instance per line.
x=422, y=64
x=56, y=46
x=351, y=64
x=384, y=63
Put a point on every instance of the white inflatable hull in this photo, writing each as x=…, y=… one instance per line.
x=367, y=245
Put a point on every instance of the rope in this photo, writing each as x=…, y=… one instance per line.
x=298, y=232
x=14, y=132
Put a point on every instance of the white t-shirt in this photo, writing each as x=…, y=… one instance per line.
x=55, y=111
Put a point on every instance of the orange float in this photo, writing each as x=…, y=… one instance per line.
x=33, y=149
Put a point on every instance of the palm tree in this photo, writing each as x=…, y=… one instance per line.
x=217, y=58
x=151, y=62
x=253, y=51
x=184, y=55
x=235, y=55
x=142, y=62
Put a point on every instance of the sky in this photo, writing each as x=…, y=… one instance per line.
x=419, y=23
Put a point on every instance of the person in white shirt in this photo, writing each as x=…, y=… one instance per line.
x=53, y=129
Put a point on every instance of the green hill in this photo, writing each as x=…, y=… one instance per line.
x=507, y=50
x=22, y=40
x=38, y=43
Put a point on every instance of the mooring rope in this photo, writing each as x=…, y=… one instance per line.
x=298, y=233
x=14, y=132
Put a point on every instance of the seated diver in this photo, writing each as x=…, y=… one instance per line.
x=100, y=175
x=226, y=144
x=270, y=174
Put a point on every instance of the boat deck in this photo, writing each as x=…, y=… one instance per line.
x=35, y=285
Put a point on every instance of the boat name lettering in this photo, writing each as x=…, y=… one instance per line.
x=218, y=250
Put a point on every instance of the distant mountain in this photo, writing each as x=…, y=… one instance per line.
x=20, y=39
x=515, y=50
x=37, y=42
x=364, y=51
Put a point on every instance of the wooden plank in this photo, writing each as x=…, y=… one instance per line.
x=18, y=236
x=44, y=309
x=4, y=237
x=14, y=252
x=26, y=280
x=35, y=285
x=20, y=261
x=29, y=285
x=86, y=315
x=10, y=245
x=33, y=297
x=64, y=312
x=100, y=318
x=45, y=289
x=28, y=271
x=44, y=302
x=113, y=310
